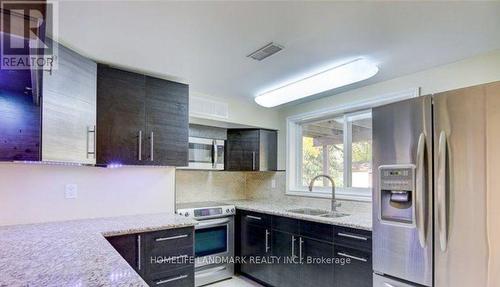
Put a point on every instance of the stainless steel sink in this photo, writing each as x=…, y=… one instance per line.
x=309, y=211
x=334, y=215
x=318, y=212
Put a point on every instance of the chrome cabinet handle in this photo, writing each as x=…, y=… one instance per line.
x=267, y=241
x=301, y=241
x=441, y=191
x=171, y=238
x=420, y=188
x=352, y=236
x=215, y=157
x=253, y=217
x=171, y=279
x=91, y=131
x=152, y=145
x=139, y=155
x=352, y=257
x=138, y=252
x=388, y=284
x=175, y=258
x=293, y=247
x=253, y=160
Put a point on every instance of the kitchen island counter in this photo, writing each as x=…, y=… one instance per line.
x=75, y=253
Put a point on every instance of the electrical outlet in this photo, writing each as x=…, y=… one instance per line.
x=71, y=191
x=273, y=183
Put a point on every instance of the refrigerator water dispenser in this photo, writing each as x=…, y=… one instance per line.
x=397, y=194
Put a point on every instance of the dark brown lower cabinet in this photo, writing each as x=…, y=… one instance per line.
x=183, y=277
x=357, y=271
x=315, y=269
x=255, y=245
x=304, y=253
x=151, y=254
x=285, y=273
x=127, y=245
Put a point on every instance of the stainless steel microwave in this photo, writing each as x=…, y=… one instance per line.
x=206, y=154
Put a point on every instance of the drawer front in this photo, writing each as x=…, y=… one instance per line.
x=179, y=278
x=165, y=259
x=357, y=270
x=169, y=238
x=285, y=224
x=360, y=239
x=167, y=250
x=260, y=219
x=317, y=230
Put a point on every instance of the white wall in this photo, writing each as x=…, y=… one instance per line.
x=241, y=112
x=477, y=70
x=35, y=193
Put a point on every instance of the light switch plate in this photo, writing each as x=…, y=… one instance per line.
x=71, y=191
x=273, y=183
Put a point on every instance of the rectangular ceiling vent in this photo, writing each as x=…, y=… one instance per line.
x=201, y=107
x=266, y=51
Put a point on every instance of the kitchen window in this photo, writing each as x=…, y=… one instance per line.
x=339, y=146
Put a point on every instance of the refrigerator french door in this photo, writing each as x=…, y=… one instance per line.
x=402, y=177
x=452, y=198
x=467, y=147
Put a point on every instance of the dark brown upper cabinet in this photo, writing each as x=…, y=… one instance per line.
x=141, y=120
x=251, y=150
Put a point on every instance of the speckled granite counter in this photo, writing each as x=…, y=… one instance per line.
x=355, y=219
x=74, y=253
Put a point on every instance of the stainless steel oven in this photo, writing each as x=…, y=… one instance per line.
x=214, y=240
x=206, y=153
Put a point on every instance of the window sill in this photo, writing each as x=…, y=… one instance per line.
x=339, y=195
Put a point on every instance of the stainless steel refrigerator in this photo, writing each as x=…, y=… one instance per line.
x=436, y=195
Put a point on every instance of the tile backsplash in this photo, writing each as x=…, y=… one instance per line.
x=195, y=186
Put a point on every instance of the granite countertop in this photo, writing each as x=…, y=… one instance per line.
x=355, y=219
x=74, y=253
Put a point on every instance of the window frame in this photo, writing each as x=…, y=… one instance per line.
x=294, y=146
x=347, y=189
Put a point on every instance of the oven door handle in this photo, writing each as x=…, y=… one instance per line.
x=211, y=223
x=208, y=272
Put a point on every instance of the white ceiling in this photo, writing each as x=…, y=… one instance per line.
x=205, y=43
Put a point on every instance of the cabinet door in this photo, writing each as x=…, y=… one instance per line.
x=313, y=271
x=268, y=150
x=120, y=116
x=255, y=244
x=357, y=269
x=167, y=122
x=285, y=247
x=242, y=150
x=69, y=109
x=19, y=118
x=126, y=245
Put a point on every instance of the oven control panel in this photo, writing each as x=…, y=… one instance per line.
x=207, y=212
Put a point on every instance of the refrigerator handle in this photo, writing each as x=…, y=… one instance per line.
x=420, y=190
x=441, y=192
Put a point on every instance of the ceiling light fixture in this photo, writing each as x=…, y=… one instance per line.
x=345, y=74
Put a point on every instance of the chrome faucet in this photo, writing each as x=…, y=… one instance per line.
x=335, y=204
